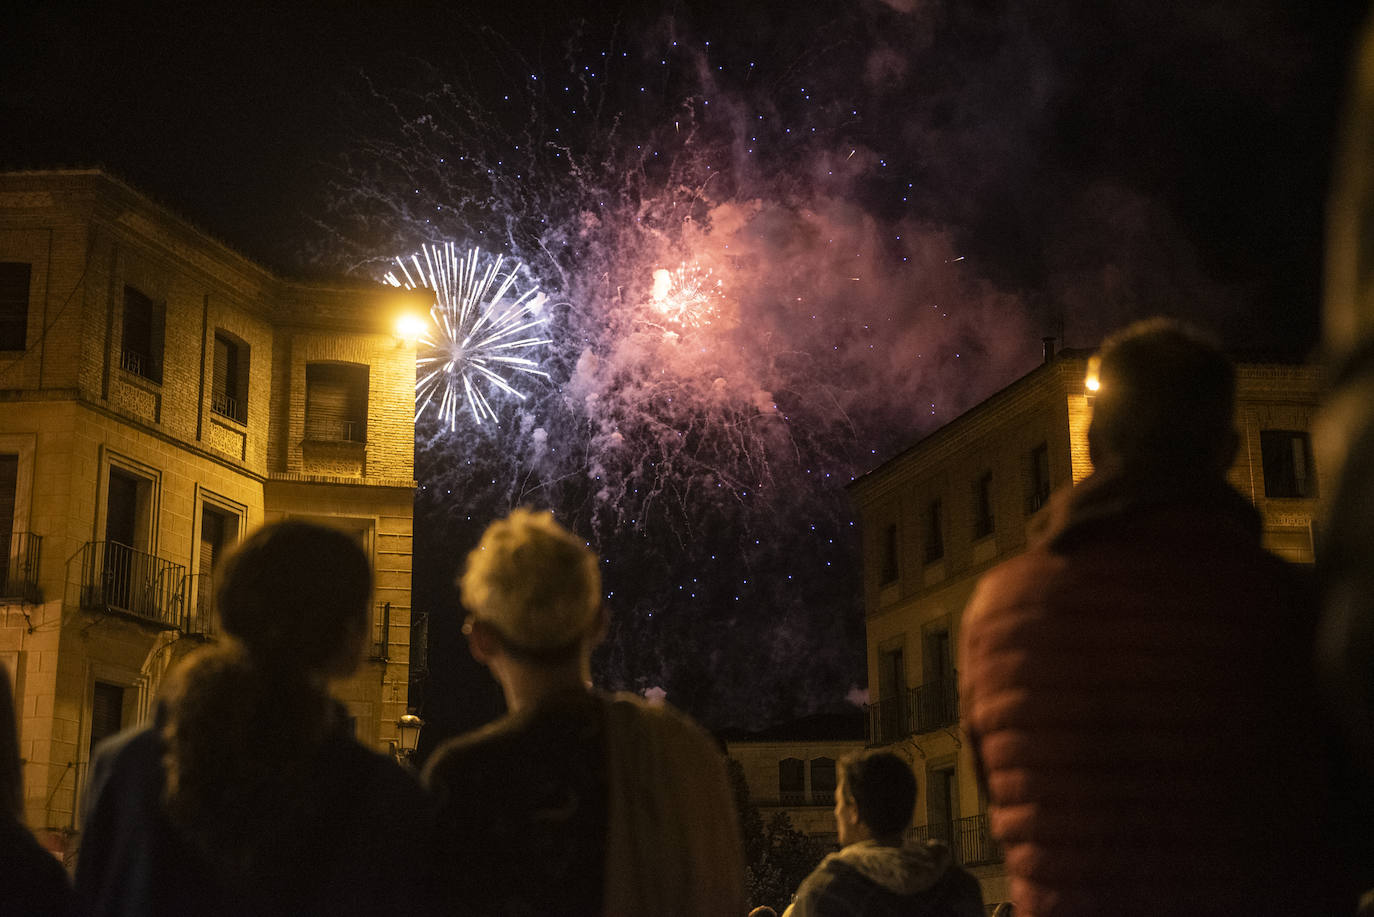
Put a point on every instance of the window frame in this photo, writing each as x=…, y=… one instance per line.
x=232, y=402
x=14, y=310
x=1279, y=465
x=351, y=404
x=145, y=361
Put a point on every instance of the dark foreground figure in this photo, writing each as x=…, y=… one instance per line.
x=576, y=802
x=876, y=874
x=32, y=881
x=248, y=794
x=1138, y=686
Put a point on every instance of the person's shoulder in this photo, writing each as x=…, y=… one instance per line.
x=660, y=716
x=386, y=778
x=134, y=742
x=962, y=894
x=35, y=882
x=829, y=891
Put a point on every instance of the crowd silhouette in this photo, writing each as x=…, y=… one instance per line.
x=1167, y=719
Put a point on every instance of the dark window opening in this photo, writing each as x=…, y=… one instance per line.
x=983, y=519
x=935, y=532
x=1288, y=468
x=14, y=304
x=889, y=571
x=141, y=346
x=9, y=478
x=229, y=383
x=941, y=800
x=336, y=402
x=792, y=781
x=107, y=712
x=1039, y=493
x=822, y=781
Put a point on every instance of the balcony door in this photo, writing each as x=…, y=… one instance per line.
x=218, y=533
x=942, y=803
x=9, y=477
x=892, y=693
x=126, y=540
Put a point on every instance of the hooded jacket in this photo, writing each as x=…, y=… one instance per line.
x=1137, y=691
x=869, y=880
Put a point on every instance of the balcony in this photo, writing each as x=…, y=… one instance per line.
x=118, y=579
x=968, y=839
x=926, y=708
x=199, y=620
x=334, y=431
x=226, y=406
x=21, y=574
x=380, y=647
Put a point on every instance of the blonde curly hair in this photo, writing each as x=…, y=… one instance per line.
x=534, y=582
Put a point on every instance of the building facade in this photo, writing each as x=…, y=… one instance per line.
x=940, y=514
x=160, y=397
x=791, y=769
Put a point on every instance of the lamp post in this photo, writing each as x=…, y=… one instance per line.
x=408, y=738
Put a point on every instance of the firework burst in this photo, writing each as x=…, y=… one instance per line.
x=688, y=296
x=482, y=328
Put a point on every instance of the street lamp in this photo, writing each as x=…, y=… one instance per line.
x=409, y=737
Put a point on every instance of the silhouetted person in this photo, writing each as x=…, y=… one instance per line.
x=877, y=873
x=1137, y=686
x=1344, y=445
x=249, y=794
x=32, y=881
x=575, y=802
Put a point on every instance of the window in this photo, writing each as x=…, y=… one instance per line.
x=218, y=533
x=937, y=700
x=9, y=478
x=229, y=384
x=983, y=519
x=127, y=569
x=892, y=696
x=822, y=781
x=889, y=571
x=336, y=402
x=107, y=712
x=1288, y=469
x=14, y=304
x=1039, y=493
x=935, y=532
x=141, y=347
x=942, y=800
x=792, y=781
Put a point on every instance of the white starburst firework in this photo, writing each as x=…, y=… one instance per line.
x=482, y=326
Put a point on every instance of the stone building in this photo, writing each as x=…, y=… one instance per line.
x=940, y=514
x=161, y=396
x=790, y=768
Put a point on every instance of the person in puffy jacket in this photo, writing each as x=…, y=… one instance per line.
x=1138, y=686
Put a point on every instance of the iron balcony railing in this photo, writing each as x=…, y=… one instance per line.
x=968, y=839
x=926, y=708
x=225, y=406
x=799, y=799
x=117, y=578
x=199, y=619
x=334, y=431
x=381, y=633
x=21, y=573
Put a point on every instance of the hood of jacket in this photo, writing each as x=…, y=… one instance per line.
x=904, y=870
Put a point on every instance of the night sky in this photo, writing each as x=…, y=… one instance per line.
x=886, y=206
